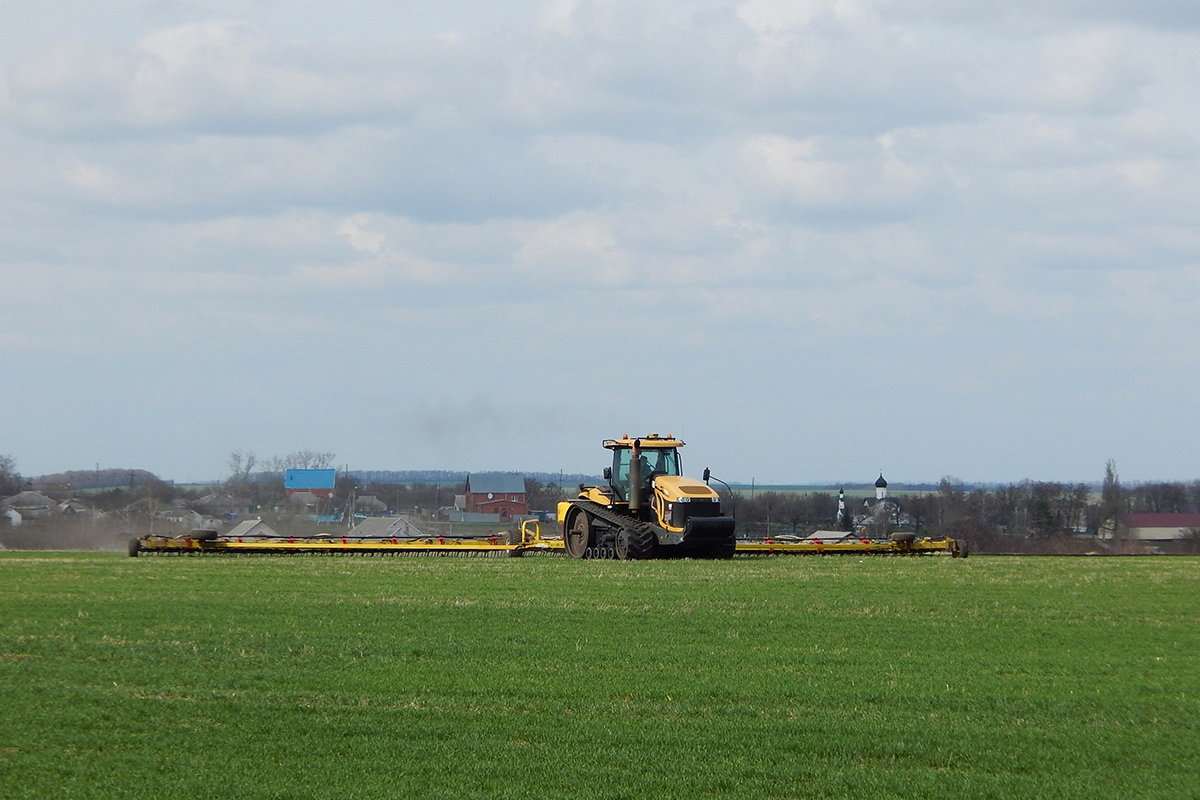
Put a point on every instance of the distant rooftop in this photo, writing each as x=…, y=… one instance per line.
x=497, y=482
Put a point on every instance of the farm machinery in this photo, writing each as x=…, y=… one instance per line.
x=528, y=541
x=901, y=544
x=208, y=542
x=648, y=509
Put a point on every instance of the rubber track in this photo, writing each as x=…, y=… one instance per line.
x=616, y=520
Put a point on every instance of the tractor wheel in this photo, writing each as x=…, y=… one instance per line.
x=635, y=543
x=578, y=537
x=135, y=545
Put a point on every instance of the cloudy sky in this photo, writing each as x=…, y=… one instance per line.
x=815, y=238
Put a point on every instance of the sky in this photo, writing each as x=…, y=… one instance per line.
x=816, y=239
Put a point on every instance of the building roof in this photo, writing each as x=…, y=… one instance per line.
x=252, y=527
x=213, y=503
x=369, y=501
x=496, y=482
x=881, y=483
x=301, y=480
x=1162, y=520
x=385, y=527
x=304, y=498
x=31, y=500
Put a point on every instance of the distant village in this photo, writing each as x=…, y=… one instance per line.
x=488, y=497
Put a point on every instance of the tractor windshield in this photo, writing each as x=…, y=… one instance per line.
x=660, y=460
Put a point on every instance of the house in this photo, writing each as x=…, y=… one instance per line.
x=71, y=507
x=1156, y=527
x=182, y=517
x=306, y=503
x=385, y=528
x=29, y=505
x=252, y=529
x=317, y=481
x=369, y=505
x=499, y=493
x=220, y=505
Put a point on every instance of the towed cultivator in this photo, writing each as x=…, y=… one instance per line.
x=901, y=544
x=529, y=541
x=209, y=542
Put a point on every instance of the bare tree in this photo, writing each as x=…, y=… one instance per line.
x=10, y=479
x=241, y=465
x=1163, y=497
x=308, y=459
x=1190, y=543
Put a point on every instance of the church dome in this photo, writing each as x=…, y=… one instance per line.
x=881, y=483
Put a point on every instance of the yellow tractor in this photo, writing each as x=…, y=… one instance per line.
x=648, y=509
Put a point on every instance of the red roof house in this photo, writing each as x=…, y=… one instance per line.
x=500, y=493
x=1157, y=527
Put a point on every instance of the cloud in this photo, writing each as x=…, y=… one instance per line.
x=577, y=244
x=769, y=18
x=868, y=179
x=222, y=77
x=790, y=165
x=1087, y=72
x=359, y=235
x=1034, y=16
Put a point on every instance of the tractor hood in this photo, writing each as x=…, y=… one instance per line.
x=678, y=489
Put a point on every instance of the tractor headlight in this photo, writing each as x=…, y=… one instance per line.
x=683, y=499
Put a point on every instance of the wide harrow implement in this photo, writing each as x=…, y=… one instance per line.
x=528, y=541
x=898, y=544
x=210, y=543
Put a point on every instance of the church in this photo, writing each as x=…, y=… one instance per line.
x=877, y=516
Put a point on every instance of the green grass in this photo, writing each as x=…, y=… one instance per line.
x=319, y=677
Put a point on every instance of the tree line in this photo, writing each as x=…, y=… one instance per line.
x=1029, y=516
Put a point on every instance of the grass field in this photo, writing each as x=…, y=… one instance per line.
x=319, y=677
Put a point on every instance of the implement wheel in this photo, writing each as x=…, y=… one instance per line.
x=578, y=537
x=635, y=543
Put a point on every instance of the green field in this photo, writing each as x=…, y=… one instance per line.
x=322, y=677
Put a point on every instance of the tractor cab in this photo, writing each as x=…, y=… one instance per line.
x=639, y=461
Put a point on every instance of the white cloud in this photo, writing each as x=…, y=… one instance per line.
x=579, y=247
x=1085, y=72
x=791, y=166
x=1037, y=16
x=556, y=17
x=869, y=176
x=90, y=179
x=359, y=236
x=1146, y=173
